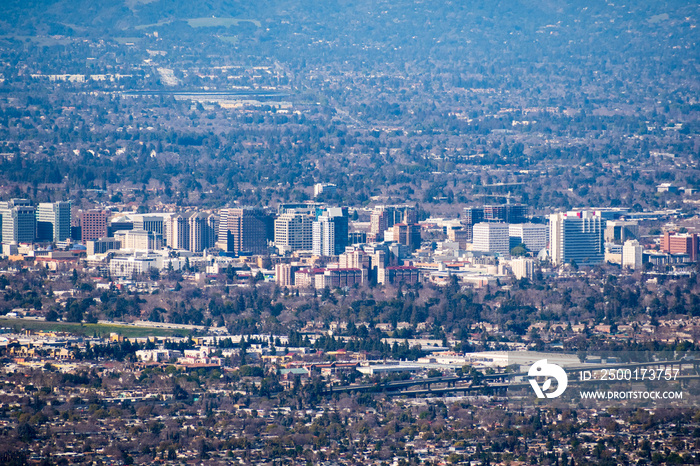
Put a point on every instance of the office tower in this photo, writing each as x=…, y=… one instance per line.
x=294, y=232
x=18, y=221
x=632, y=254
x=619, y=231
x=576, y=236
x=459, y=235
x=379, y=222
x=385, y=217
x=179, y=231
x=407, y=234
x=148, y=222
x=473, y=215
x=53, y=221
x=323, y=237
x=198, y=236
x=121, y=223
x=523, y=268
x=141, y=240
x=533, y=235
x=93, y=224
x=100, y=246
x=212, y=230
x=679, y=243
x=508, y=213
x=354, y=259
x=245, y=230
x=492, y=237
x=338, y=218
x=516, y=213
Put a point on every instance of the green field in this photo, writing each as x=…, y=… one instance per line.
x=228, y=39
x=204, y=23
x=216, y=22
x=89, y=330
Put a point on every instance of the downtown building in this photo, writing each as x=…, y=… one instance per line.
x=294, y=232
x=18, y=221
x=407, y=234
x=191, y=231
x=385, y=217
x=53, y=220
x=245, y=230
x=506, y=213
x=330, y=232
x=492, y=237
x=576, y=236
x=93, y=224
x=681, y=243
x=534, y=236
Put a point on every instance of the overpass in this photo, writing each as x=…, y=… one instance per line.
x=467, y=383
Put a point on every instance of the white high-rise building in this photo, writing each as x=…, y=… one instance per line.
x=492, y=237
x=294, y=232
x=18, y=221
x=534, y=236
x=323, y=237
x=139, y=240
x=179, y=231
x=632, y=254
x=523, y=268
x=198, y=232
x=576, y=236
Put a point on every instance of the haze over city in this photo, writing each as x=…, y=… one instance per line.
x=391, y=233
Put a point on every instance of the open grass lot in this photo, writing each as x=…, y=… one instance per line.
x=89, y=329
x=204, y=23
x=216, y=22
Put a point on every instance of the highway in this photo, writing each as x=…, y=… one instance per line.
x=465, y=383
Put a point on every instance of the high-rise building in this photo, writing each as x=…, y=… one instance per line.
x=385, y=217
x=179, y=231
x=323, y=237
x=334, y=222
x=354, y=259
x=681, y=243
x=576, y=236
x=492, y=237
x=141, y=240
x=508, y=213
x=245, y=230
x=100, y=246
x=93, y=224
x=53, y=221
x=18, y=221
x=379, y=222
x=294, y=232
x=523, y=268
x=148, y=222
x=534, y=236
x=198, y=232
x=619, y=231
x=407, y=234
x=632, y=254
x=212, y=230
x=121, y=223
